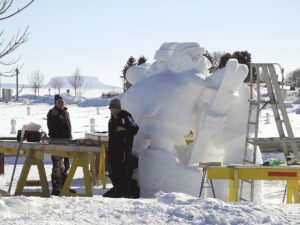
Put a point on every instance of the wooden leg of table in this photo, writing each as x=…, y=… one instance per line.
x=102, y=172
x=292, y=195
x=297, y=190
x=65, y=189
x=34, y=158
x=23, y=177
x=87, y=179
x=234, y=187
x=93, y=171
x=43, y=178
x=81, y=161
x=289, y=191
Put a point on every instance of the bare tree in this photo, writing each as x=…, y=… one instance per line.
x=56, y=83
x=7, y=10
x=214, y=59
x=36, y=81
x=6, y=5
x=76, y=81
x=9, y=47
x=293, y=78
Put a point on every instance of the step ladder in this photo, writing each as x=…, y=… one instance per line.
x=265, y=72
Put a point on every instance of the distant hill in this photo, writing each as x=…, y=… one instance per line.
x=89, y=82
x=13, y=85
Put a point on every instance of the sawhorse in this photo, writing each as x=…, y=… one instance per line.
x=235, y=173
x=204, y=181
x=34, y=156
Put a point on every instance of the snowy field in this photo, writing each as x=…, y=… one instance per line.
x=165, y=208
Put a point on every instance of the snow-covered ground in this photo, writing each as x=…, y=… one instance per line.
x=165, y=208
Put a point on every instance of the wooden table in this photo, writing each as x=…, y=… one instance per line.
x=235, y=173
x=83, y=156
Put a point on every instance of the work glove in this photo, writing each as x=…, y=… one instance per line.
x=119, y=128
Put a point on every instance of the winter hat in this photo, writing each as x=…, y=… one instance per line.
x=115, y=103
x=57, y=97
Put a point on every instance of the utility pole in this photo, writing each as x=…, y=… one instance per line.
x=282, y=80
x=17, y=84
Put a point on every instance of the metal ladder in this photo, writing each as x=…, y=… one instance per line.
x=267, y=73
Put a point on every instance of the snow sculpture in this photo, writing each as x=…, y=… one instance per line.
x=176, y=95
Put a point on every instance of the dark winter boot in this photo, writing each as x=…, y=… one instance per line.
x=73, y=191
x=55, y=192
x=112, y=193
x=135, y=189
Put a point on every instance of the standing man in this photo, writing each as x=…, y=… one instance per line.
x=121, y=131
x=59, y=126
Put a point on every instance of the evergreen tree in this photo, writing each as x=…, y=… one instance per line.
x=141, y=60
x=131, y=62
x=242, y=57
x=223, y=60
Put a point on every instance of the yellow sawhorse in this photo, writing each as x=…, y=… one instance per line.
x=101, y=179
x=83, y=160
x=99, y=175
x=80, y=159
x=35, y=157
x=291, y=174
x=32, y=158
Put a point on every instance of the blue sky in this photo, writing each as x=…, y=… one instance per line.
x=98, y=36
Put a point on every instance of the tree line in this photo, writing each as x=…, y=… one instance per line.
x=9, y=67
x=36, y=81
x=217, y=59
x=293, y=78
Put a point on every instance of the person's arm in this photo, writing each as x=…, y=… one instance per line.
x=131, y=127
x=69, y=124
x=131, y=130
x=50, y=124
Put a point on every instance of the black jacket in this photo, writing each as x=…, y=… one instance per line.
x=120, y=142
x=59, y=124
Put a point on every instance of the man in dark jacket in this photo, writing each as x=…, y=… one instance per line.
x=121, y=131
x=59, y=126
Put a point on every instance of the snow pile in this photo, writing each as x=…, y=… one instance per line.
x=165, y=208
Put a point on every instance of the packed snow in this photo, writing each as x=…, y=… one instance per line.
x=163, y=207
x=210, y=104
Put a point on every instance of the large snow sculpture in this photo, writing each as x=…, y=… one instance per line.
x=176, y=95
